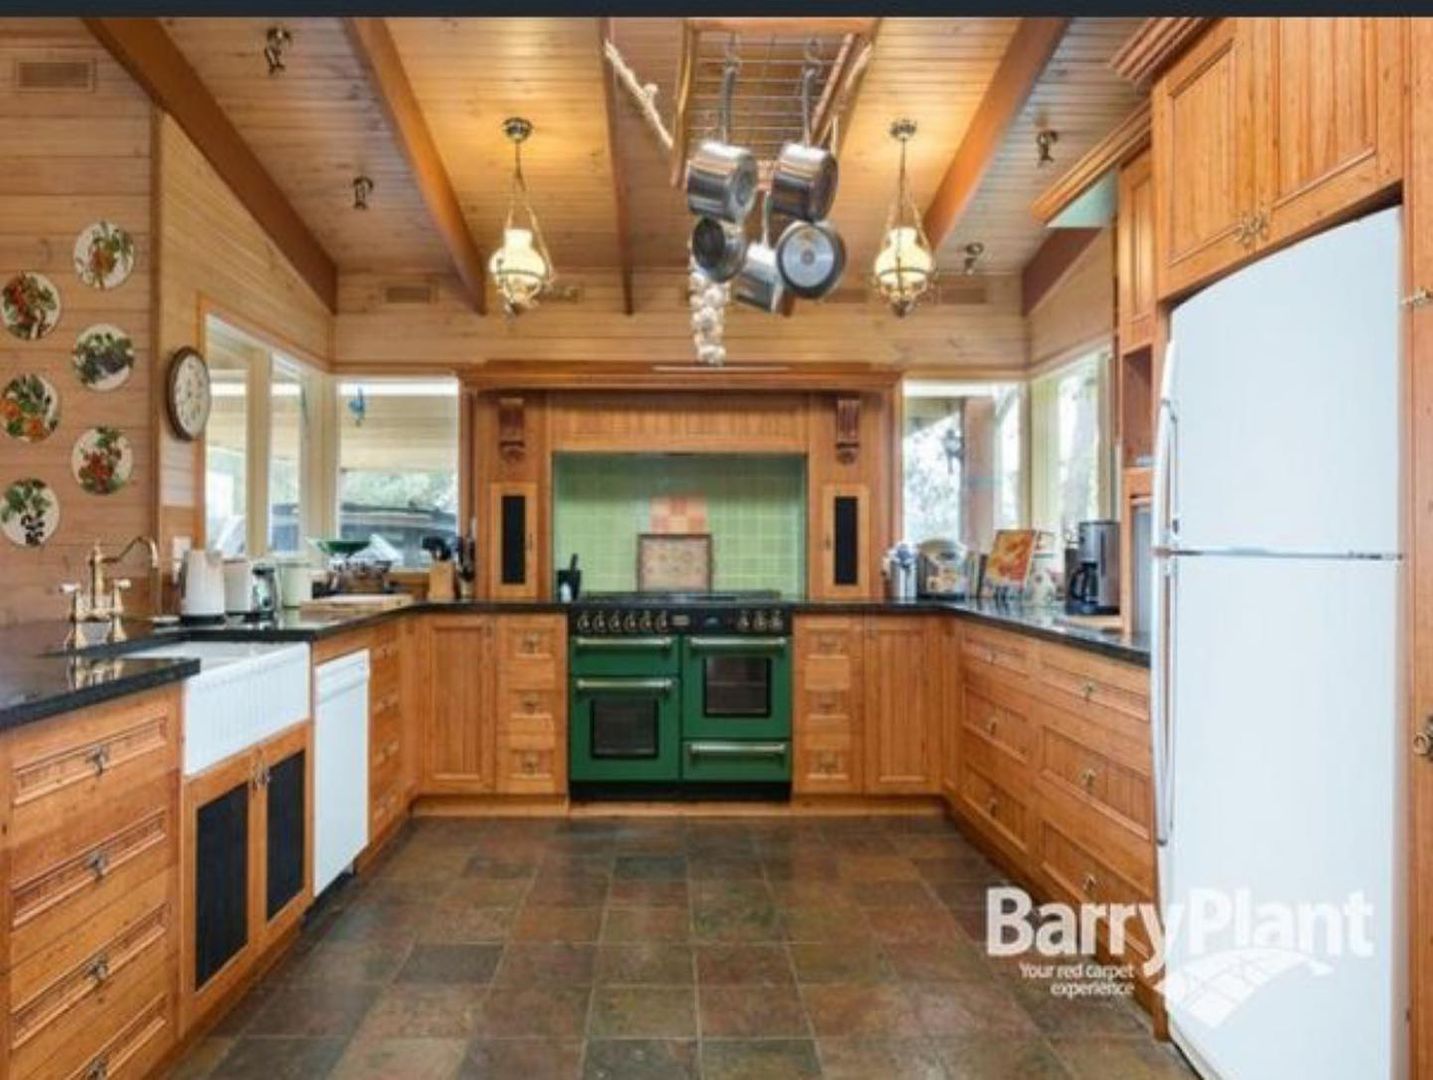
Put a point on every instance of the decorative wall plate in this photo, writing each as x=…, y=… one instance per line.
x=103, y=356
x=29, y=512
x=30, y=305
x=189, y=394
x=102, y=460
x=29, y=408
x=104, y=255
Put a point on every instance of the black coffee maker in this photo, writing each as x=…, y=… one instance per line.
x=1092, y=584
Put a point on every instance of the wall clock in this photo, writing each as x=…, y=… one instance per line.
x=189, y=394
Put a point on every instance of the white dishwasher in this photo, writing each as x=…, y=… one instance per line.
x=340, y=741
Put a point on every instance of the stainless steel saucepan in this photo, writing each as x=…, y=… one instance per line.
x=718, y=248
x=803, y=180
x=722, y=179
x=760, y=283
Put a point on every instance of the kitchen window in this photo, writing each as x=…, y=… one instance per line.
x=962, y=460
x=256, y=447
x=398, y=464
x=1070, y=444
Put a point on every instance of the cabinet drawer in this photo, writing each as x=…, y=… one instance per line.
x=70, y=765
x=62, y=880
x=829, y=706
x=994, y=650
x=1082, y=682
x=383, y=810
x=385, y=760
x=128, y=1041
x=385, y=733
x=826, y=755
x=1001, y=719
x=531, y=651
x=530, y=711
x=1085, y=773
x=528, y=764
x=1082, y=876
x=384, y=704
x=1002, y=815
x=61, y=995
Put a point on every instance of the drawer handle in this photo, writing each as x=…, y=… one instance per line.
x=825, y=705
x=826, y=646
x=530, y=643
x=529, y=763
x=99, y=969
x=1087, y=778
x=98, y=759
x=992, y=804
x=991, y=725
x=826, y=762
x=990, y=656
x=98, y=864
x=1087, y=690
x=1090, y=884
x=529, y=703
x=98, y=1070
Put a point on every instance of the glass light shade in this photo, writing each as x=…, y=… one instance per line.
x=518, y=268
x=903, y=268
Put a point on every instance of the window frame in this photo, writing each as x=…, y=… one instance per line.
x=1043, y=464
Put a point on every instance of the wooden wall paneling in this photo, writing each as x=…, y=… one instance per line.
x=1078, y=312
x=77, y=156
x=1418, y=226
x=1030, y=49
x=1051, y=262
x=679, y=422
x=145, y=50
x=373, y=42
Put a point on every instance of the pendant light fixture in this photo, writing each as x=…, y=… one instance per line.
x=905, y=265
x=521, y=267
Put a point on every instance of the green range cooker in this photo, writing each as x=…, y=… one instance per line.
x=680, y=693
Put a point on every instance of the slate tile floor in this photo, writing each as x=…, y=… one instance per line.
x=634, y=948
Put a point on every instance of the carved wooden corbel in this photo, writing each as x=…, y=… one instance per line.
x=512, y=429
x=848, y=429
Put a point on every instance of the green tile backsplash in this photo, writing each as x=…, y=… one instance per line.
x=755, y=510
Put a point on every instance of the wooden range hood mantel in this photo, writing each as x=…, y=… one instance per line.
x=679, y=375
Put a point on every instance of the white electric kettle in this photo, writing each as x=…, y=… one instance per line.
x=201, y=586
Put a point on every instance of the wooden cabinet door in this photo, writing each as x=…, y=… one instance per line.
x=458, y=741
x=1135, y=270
x=845, y=531
x=283, y=836
x=902, y=705
x=217, y=887
x=1202, y=117
x=1329, y=131
x=512, y=541
x=826, y=696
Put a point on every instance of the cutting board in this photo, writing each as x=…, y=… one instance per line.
x=355, y=604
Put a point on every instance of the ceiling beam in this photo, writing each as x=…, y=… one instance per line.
x=619, y=178
x=1030, y=49
x=377, y=51
x=145, y=50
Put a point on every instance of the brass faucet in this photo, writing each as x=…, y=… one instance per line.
x=103, y=601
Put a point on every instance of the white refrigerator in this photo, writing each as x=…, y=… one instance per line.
x=1277, y=665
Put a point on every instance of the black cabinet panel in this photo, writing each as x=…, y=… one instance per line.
x=513, y=556
x=221, y=882
x=286, y=799
x=846, y=563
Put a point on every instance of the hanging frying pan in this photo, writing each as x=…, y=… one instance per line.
x=760, y=284
x=811, y=258
x=722, y=179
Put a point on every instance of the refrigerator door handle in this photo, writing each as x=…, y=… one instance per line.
x=1162, y=624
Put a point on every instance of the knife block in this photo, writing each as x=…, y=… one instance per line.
x=442, y=581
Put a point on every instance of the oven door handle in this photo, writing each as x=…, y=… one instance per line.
x=737, y=644
x=643, y=644
x=738, y=749
x=623, y=686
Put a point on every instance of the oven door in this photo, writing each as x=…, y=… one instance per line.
x=624, y=728
x=736, y=688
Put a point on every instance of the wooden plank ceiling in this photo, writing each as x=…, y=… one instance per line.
x=321, y=122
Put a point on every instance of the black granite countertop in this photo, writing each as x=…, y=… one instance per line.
x=40, y=675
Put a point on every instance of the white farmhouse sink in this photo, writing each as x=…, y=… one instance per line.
x=245, y=692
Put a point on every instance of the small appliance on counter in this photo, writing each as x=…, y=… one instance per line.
x=898, y=567
x=1094, y=587
x=295, y=582
x=944, y=569
x=266, y=590
x=201, y=586
x=238, y=586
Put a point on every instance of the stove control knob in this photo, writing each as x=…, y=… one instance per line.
x=776, y=621
x=661, y=622
x=584, y=623
x=599, y=622
x=743, y=621
x=758, y=622
x=645, y=622
x=629, y=623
